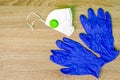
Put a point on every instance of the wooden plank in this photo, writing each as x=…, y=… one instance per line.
x=53, y=3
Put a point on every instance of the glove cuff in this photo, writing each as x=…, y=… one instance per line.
x=95, y=70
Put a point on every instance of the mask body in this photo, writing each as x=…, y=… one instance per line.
x=61, y=20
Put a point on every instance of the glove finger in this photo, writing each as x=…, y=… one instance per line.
x=62, y=45
x=69, y=71
x=74, y=71
x=109, y=22
x=61, y=60
x=75, y=45
x=101, y=20
x=70, y=42
x=91, y=15
x=59, y=52
x=85, y=23
x=100, y=14
x=108, y=17
x=85, y=39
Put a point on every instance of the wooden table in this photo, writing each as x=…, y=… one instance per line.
x=24, y=55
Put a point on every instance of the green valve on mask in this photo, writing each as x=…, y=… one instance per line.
x=54, y=23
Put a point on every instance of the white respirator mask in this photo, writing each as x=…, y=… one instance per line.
x=59, y=19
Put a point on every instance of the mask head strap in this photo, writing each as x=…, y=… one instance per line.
x=31, y=24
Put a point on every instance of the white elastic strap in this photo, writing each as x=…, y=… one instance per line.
x=31, y=24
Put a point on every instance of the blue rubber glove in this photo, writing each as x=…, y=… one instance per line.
x=99, y=27
x=77, y=59
x=99, y=36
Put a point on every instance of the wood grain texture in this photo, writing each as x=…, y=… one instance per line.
x=53, y=3
x=24, y=55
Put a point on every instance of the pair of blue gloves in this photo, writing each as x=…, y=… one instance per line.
x=78, y=60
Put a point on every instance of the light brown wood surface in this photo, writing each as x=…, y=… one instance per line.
x=24, y=55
